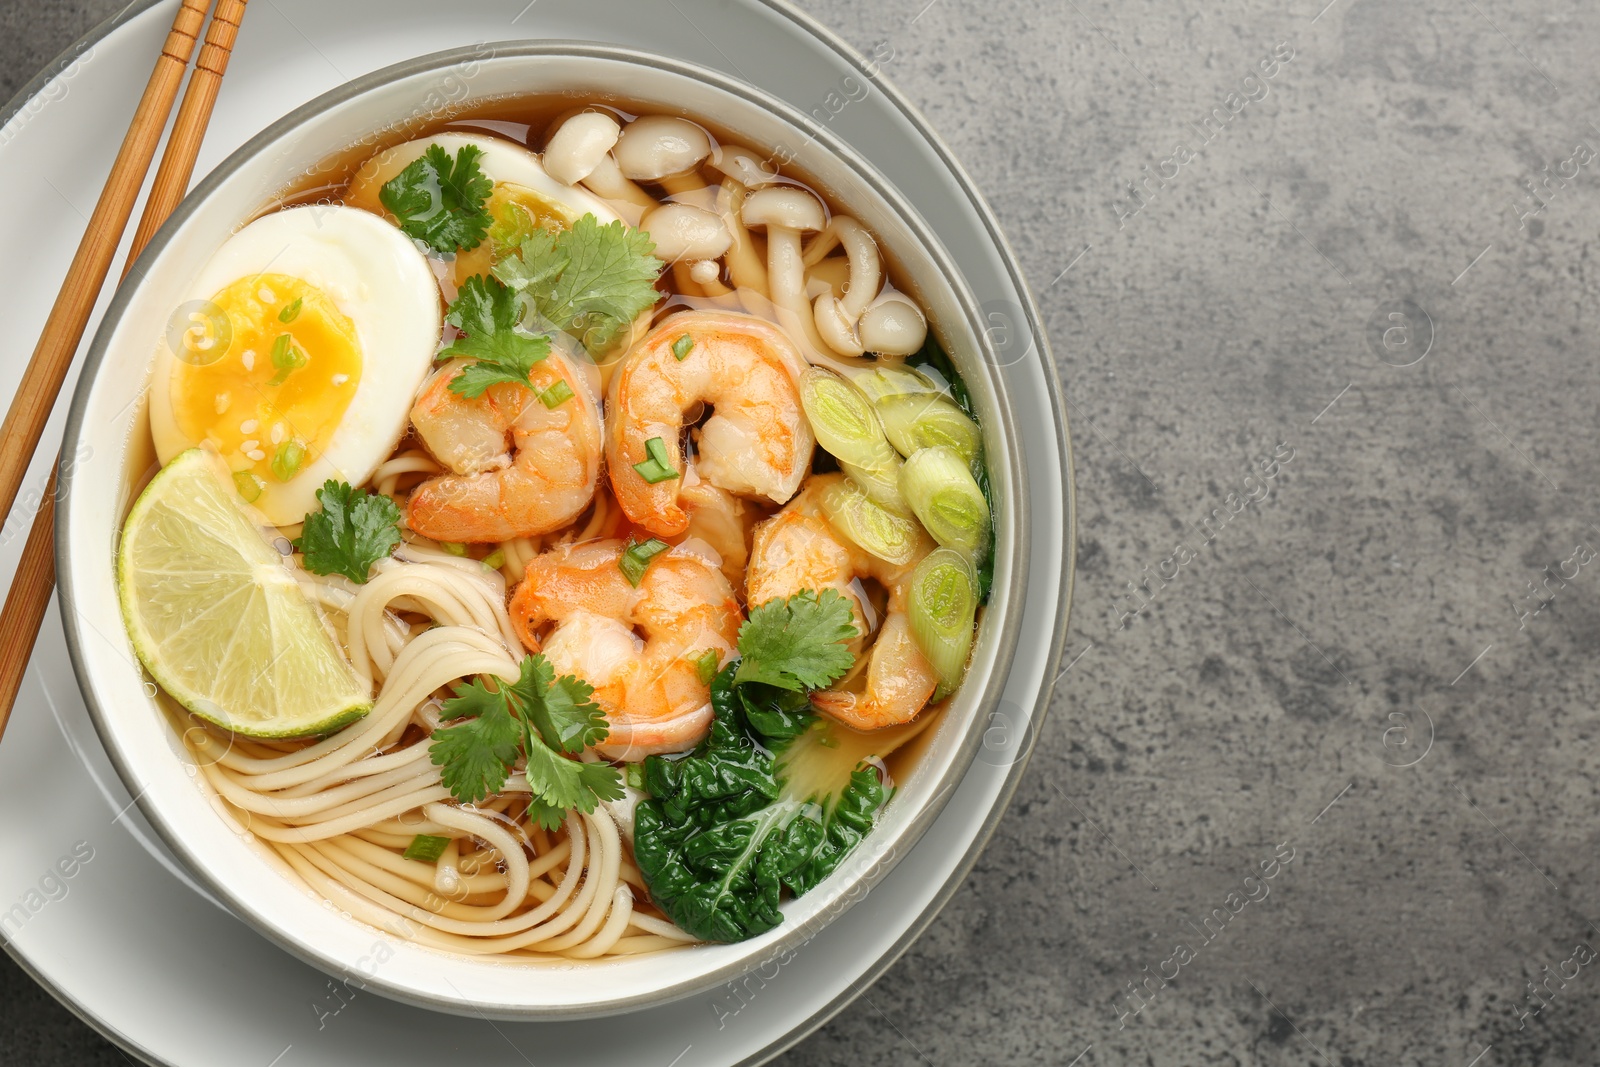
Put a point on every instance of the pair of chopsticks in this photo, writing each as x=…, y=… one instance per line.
x=63, y=330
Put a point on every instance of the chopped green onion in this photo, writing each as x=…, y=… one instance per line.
x=286, y=460
x=843, y=420
x=892, y=538
x=455, y=548
x=287, y=357
x=292, y=312
x=682, y=346
x=939, y=486
x=658, y=468
x=881, y=484
x=495, y=560
x=249, y=486
x=633, y=775
x=707, y=665
x=427, y=848
x=914, y=422
x=637, y=556
x=556, y=395
x=942, y=605
x=893, y=379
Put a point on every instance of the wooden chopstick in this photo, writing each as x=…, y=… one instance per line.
x=29, y=596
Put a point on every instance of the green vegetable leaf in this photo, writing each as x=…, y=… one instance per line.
x=682, y=347
x=353, y=530
x=591, y=280
x=725, y=832
x=441, y=201
x=486, y=312
x=477, y=754
x=798, y=643
x=540, y=717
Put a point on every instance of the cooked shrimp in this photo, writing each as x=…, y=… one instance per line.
x=543, y=483
x=724, y=522
x=757, y=442
x=796, y=549
x=639, y=648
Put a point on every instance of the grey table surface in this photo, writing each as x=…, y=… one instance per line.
x=1320, y=783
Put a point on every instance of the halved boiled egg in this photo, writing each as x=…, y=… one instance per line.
x=298, y=354
x=524, y=197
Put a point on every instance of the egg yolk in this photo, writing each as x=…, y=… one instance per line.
x=516, y=211
x=289, y=365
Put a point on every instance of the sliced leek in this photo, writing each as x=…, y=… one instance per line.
x=914, y=422
x=843, y=421
x=850, y=511
x=893, y=379
x=939, y=486
x=942, y=605
x=881, y=484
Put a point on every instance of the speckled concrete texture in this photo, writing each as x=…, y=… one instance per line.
x=1320, y=783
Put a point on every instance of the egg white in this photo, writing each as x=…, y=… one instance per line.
x=376, y=277
x=502, y=161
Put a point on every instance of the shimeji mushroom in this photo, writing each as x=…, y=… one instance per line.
x=663, y=150
x=786, y=212
x=577, y=148
x=892, y=326
x=692, y=240
x=742, y=170
x=836, y=317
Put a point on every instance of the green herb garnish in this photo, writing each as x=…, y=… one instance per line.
x=353, y=530
x=487, y=314
x=682, y=346
x=286, y=460
x=426, y=847
x=658, y=467
x=441, y=201
x=591, y=280
x=556, y=395
x=249, y=486
x=637, y=556
x=798, y=643
x=292, y=312
x=288, y=357
x=707, y=664
x=543, y=719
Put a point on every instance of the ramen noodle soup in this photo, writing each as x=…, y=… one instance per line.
x=564, y=529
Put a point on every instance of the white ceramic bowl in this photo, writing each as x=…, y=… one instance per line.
x=107, y=430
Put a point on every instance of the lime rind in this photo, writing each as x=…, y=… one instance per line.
x=218, y=619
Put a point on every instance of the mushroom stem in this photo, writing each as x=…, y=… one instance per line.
x=744, y=259
x=630, y=201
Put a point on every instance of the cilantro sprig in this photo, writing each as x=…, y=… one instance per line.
x=441, y=200
x=541, y=718
x=799, y=643
x=591, y=280
x=352, y=531
x=487, y=314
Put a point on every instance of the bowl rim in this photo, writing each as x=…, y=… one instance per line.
x=1017, y=509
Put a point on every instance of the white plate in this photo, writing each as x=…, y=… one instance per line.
x=126, y=939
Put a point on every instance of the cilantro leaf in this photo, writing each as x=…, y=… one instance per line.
x=476, y=755
x=486, y=312
x=353, y=531
x=798, y=643
x=539, y=717
x=559, y=708
x=440, y=200
x=592, y=280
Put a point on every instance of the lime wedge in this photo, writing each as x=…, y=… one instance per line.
x=217, y=617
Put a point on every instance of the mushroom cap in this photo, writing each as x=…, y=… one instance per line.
x=578, y=146
x=653, y=147
x=785, y=207
x=892, y=326
x=682, y=231
x=743, y=165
